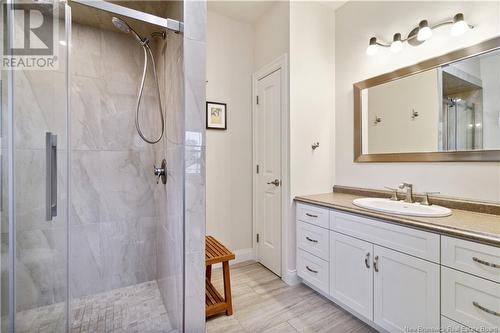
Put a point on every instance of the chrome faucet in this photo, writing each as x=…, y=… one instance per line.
x=409, y=191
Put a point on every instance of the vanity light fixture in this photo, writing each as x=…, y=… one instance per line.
x=420, y=34
x=397, y=44
x=424, y=31
x=372, y=47
x=459, y=25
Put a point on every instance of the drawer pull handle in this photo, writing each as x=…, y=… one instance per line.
x=366, y=260
x=311, y=270
x=480, y=307
x=375, y=264
x=311, y=240
x=485, y=263
x=311, y=215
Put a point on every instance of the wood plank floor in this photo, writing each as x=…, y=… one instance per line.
x=264, y=303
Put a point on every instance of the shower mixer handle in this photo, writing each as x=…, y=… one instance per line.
x=160, y=172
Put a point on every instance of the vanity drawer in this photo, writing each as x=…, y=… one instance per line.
x=469, y=300
x=313, y=239
x=451, y=326
x=474, y=258
x=414, y=242
x=313, y=270
x=313, y=214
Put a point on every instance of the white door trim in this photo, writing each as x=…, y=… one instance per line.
x=279, y=63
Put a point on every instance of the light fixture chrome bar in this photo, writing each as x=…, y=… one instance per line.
x=438, y=25
x=383, y=44
x=166, y=23
x=435, y=26
x=421, y=33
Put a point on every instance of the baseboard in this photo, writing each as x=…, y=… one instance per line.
x=241, y=256
x=290, y=277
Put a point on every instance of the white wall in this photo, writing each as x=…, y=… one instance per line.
x=394, y=103
x=304, y=31
x=356, y=22
x=229, y=153
x=312, y=91
x=235, y=50
x=272, y=34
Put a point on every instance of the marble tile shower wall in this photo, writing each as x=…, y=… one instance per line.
x=195, y=17
x=171, y=229
x=125, y=229
x=114, y=212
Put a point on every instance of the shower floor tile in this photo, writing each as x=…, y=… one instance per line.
x=137, y=308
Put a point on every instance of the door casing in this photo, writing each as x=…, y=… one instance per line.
x=280, y=63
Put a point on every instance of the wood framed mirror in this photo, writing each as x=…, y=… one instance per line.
x=444, y=109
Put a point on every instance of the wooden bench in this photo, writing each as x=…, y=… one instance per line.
x=216, y=253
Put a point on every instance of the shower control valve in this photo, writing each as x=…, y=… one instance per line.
x=160, y=172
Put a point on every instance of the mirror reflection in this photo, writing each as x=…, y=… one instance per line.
x=455, y=107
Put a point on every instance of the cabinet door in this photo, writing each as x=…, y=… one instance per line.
x=351, y=275
x=406, y=291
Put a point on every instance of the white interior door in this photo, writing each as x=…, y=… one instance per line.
x=268, y=177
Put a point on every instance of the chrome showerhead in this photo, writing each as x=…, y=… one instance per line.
x=124, y=27
x=121, y=25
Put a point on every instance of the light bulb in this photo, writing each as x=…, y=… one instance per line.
x=373, y=47
x=459, y=25
x=371, y=50
x=396, y=44
x=424, y=32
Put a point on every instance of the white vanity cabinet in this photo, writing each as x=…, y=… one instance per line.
x=406, y=291
x=351, y=273
x=394, y=290
x=397, y=278
x=470, y=288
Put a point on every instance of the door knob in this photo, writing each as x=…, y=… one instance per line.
x=275, y=182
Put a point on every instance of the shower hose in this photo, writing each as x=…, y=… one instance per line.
x=148, y=54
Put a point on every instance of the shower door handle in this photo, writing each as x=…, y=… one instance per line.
x=50, y=176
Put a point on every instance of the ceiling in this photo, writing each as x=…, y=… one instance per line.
x=251, y=11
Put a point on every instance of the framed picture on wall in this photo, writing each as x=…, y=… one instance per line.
x=216, y=116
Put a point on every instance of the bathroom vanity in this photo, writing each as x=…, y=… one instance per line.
x=401, y=273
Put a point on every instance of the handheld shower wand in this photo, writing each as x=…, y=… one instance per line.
x=144, y=42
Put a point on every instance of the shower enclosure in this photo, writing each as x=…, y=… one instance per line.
x=461, y=125
x=95, y=95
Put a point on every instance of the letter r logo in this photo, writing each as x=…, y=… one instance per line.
x=33, y=30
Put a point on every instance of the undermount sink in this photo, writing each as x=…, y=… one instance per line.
x=401, y=207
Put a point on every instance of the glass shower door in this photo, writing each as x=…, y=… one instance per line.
x=465, y=128
x=35, y=174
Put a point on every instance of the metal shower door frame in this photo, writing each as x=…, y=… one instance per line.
x=10, y=134
x=166, y=23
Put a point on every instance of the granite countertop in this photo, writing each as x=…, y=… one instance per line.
x=484, y=228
